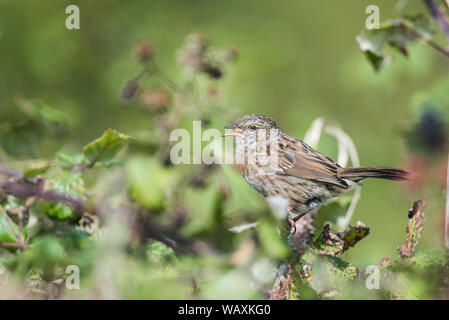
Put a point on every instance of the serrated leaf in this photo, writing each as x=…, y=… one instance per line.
x=106, y=147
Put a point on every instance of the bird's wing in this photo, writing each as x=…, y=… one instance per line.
x=298, y=159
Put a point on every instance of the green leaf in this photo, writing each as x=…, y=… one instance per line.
x=68, y=161
x=333, y=211
x=52, y=120
x=243, y=197
x=160, y=254
x=273, y=244
x=334, y=244
x=148, y=181
x=106, y=147
x=8, y=230
x=36, y=168
x=396, y=34
x=23, y=126
x=423, y=276
x=201, y=205
x=46, y=253
x=329, y=276
x=69, y=184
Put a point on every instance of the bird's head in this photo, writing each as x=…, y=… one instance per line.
x=250, y=125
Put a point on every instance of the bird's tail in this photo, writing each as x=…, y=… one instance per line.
x=359, y=173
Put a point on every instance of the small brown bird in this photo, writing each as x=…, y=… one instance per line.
x=276, y=164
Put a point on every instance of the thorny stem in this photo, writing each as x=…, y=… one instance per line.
x=439, y=16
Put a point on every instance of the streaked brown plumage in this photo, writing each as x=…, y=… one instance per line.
x=301, y=174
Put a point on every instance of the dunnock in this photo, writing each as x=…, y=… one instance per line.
x=276, y=164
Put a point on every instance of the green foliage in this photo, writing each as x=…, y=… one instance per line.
x=143, y=228
x=9, y=231
x=27, y=123
x=398, y=34
x=36, y=168
x=106, y=147
x=69, y=184
x=148, y=181
x=275, y=245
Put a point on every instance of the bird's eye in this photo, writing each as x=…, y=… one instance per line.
x=253, y=128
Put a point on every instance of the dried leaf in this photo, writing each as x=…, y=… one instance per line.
x=334, y=244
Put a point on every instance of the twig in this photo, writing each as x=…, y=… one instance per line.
x=166, y=79
x=417, y=35
x=22, y=190
x=439, y=17
x=446, y=224
x=20, y=245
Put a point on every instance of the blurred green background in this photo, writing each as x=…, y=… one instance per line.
x=298, y=60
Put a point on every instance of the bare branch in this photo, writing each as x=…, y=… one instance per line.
x=15, y=245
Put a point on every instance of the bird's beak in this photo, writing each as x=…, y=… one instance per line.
x=232, y=134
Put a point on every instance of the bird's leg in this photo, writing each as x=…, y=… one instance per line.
x=292, y=221
x=292, y=225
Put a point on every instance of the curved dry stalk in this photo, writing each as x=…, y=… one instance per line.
x=346, y=151
x=313, y=134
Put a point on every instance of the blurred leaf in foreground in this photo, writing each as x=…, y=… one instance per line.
x=22, y=129
x=148, y=181
x=9, y=231
x=397, y=34
x=66, y=183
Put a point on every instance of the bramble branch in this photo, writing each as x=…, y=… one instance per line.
x=439, y=16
